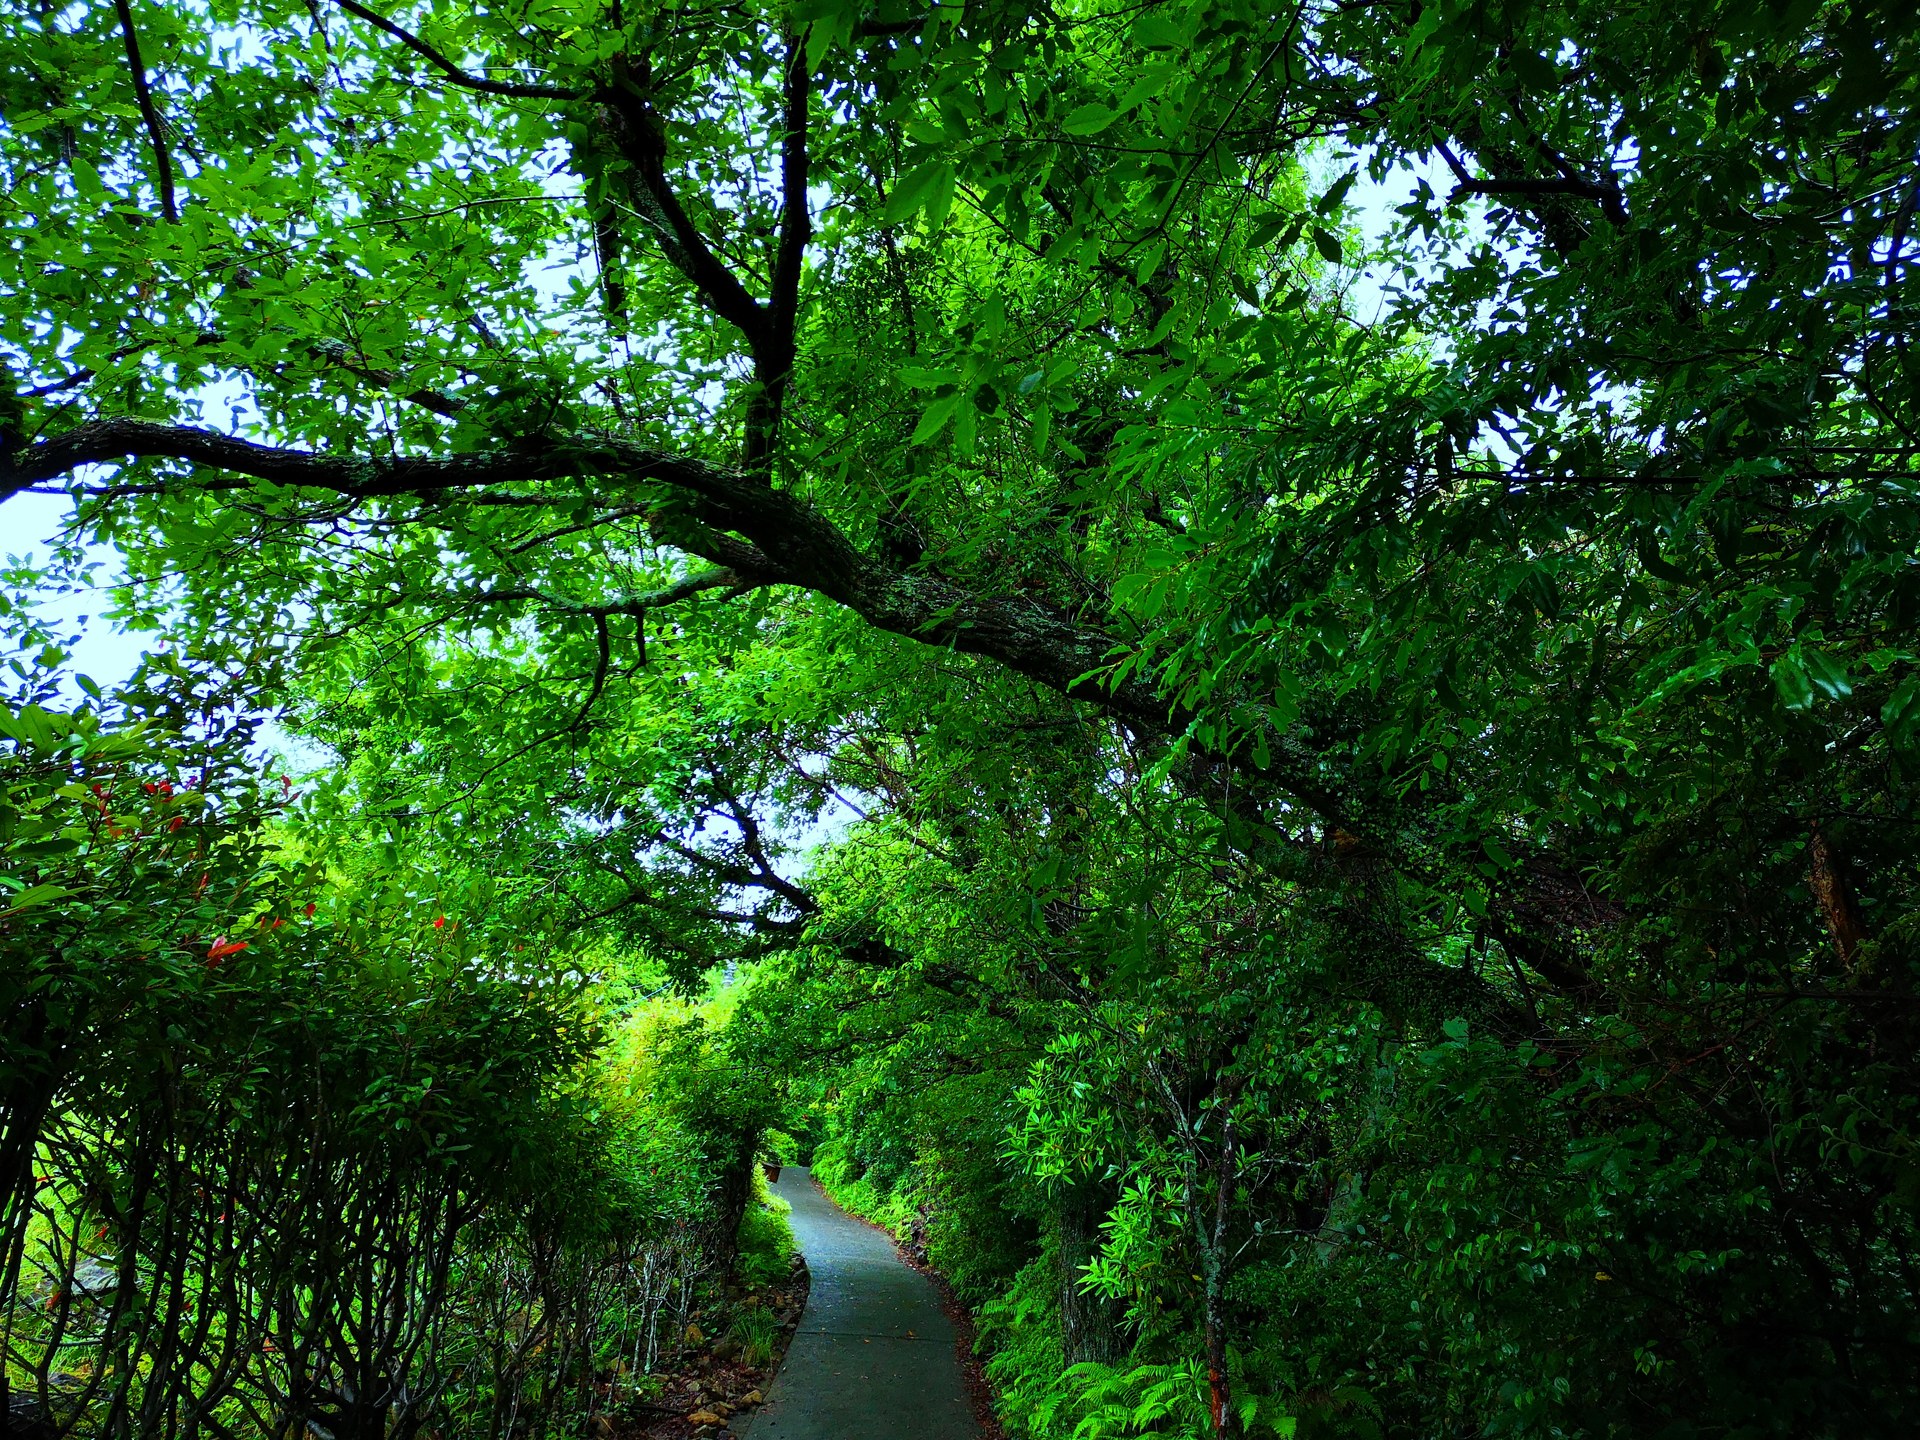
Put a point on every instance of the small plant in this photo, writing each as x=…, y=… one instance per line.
x=753, y=1330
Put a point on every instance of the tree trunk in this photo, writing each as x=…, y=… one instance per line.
x=1219, y=1393
x=1089, y=1324
x=732, y=1194
x=1213, y=1265
x=1827, y=879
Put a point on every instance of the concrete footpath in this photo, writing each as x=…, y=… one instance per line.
x=873, y=1357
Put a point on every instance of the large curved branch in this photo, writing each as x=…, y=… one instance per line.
x=769, y=536
x=786, y=541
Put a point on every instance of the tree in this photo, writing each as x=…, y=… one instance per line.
x=913, y=378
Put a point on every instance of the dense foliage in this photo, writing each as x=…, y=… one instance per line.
x=1278, y=646
x=289, y=1148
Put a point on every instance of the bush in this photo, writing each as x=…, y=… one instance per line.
x=766, y=1246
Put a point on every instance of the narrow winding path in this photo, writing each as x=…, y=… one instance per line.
x=873, y=1358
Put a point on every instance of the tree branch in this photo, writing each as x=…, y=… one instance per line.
x=720, y=579
x=775, y=355
x=335, y=353
x=110, y=441
x=601, y=663
x=1608, y=199
x=641, y=895
x=150, y=114
x=452, y=71
x=641, y=139
x=754, y=844
x=786, y=541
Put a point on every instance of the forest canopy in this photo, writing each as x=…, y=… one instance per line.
x=1272, y=652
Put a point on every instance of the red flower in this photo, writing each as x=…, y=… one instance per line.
x=309, y=909
x=222, y=948
x=176, y=822
x=439, y=922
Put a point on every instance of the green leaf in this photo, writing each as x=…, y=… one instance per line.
x=921, y=378
x=1089, y=120
x=1901, y=712
x=1328, y=244
x=921, y=186
x=1042, y=429
x=1156, y=30
x=1330, y=202
x=1828, y=675
x=1423, y=31
x=35, y=895
x=1264, y=228
x=1791, y=680
x=934, y=420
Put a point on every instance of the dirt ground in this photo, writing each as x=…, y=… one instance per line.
x=709, y=1384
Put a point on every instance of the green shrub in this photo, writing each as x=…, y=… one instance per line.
x=766, y=1246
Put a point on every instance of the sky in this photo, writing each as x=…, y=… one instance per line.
x=104, y=652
